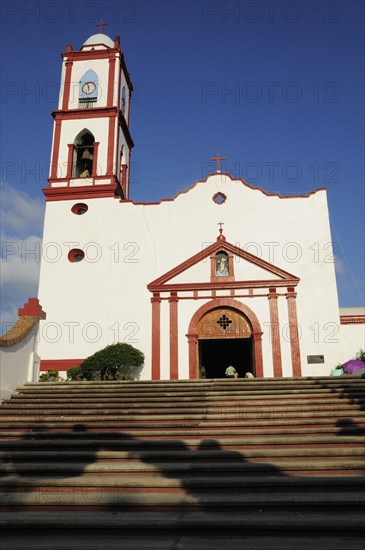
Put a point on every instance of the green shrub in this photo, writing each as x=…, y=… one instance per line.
x=361, y=355
x=50, y=376
x=115, y=362
x=75, y=373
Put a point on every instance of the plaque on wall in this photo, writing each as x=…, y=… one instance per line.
x=311, y=359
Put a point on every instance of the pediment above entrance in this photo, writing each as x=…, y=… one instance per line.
x=223, y=265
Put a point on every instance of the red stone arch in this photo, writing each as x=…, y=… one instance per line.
x=192, y=334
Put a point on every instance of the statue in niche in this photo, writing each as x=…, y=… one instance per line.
x=221, y=268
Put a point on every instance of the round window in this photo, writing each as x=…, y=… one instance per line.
x=79, y=209
x=76, y=255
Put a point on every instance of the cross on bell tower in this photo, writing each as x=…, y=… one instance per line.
x=218, y=159
x=100, y=25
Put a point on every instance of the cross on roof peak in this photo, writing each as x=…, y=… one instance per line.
x=100, y=25
x=218, y=159
x=221, y=237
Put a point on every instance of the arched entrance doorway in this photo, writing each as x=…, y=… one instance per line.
x=224, y=332
x=224, y=338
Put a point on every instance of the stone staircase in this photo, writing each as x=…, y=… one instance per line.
x=207, y=464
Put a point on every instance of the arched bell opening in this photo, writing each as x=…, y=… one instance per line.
x=83, y=160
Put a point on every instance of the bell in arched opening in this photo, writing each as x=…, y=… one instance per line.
x=84, y=155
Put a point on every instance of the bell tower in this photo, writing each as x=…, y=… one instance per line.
x=92, y=143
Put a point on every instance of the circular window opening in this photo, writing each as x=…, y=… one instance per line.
x=76, y=255
x=219, y=198
x=80, y=208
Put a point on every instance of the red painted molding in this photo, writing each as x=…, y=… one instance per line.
x=82, y=192
x=352, y=319
x=32, y=308
x=59, y=364
x=95, y=159
x=70, y=155
x=275, y=333
x=67, y=85
x=226, y=175
x=80, y=114
x=160, y=284
x=111, y=138
x=293, y=333
x=156, y=336
x=56, y=149
x=234, y=304
x=174, y=337
x=111, y=80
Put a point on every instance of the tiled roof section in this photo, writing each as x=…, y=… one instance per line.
x=29, y=314
x=19, y=331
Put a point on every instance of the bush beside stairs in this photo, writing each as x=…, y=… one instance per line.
x=231, y=464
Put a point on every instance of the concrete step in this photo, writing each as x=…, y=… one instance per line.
x=190, y=496
x=256, y=529
x=226, y=480
x=258, y=463
x=176, y=468
x=168, y=431
x=68, y=454
x=273, y=540
x=83, y=439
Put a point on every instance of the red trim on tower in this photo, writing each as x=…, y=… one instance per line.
x=95, y=159
x=56, y=149
x=111, y=135
x=275, y=333
x=70, y=157
x=234, y=304
x=111, y=79
x=293, y=332
x=156, y=344
x=124, y=179
x=174, y=337
x=59, y=364
x=82, y=192
x=67, y=85
x=32, y=308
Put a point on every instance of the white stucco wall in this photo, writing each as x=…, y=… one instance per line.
x=18, y=364
x=129, y=245
x=352, y=339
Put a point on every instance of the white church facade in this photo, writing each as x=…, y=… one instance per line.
x=221, y=274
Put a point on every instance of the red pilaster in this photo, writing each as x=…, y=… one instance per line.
x=70, y=155
x=67, y=85
x=257, y=346
x=56, y=149
x=293, y=332
x=124, y=180
x=111, y=134
x=95, y=159
x=111, y=79
x=192, y=343
x=275, y=333
x=174, y=349
x=156, y=335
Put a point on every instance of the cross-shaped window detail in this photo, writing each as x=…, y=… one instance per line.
x=224, y=322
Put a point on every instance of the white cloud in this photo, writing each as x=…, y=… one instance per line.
x=21, y=214
x=22, y=225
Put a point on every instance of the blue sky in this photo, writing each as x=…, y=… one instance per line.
x=276, y=87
